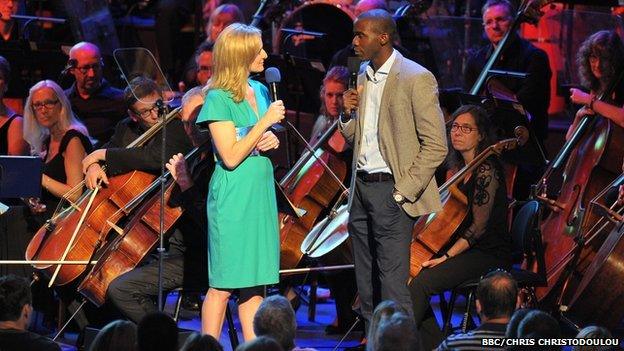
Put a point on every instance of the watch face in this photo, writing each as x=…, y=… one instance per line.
x=398, y=197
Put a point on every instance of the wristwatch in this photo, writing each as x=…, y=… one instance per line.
x=400, y=199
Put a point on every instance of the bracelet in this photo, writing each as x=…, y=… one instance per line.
x=447, y=255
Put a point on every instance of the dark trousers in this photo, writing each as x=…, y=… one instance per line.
x=170, y=16
x=135, y=292
x=471, y=264
x=381, y=233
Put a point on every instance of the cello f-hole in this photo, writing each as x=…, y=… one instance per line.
x=572, y=216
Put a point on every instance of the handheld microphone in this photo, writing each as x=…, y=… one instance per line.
x=353, y=64
x=273, y=76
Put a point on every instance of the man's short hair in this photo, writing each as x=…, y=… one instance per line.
x=397, y=333
x=490, y=3
x=275, y=318
x=14, y=295
x=538, y=325
x=384, y=23
x=203, y=47
x=157, y=331
x=140, y=87
x=497, y=293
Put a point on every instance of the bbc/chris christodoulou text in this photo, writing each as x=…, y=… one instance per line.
x=549, y=342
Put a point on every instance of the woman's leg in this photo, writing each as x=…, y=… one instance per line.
x=213, y=311
x=248, y=302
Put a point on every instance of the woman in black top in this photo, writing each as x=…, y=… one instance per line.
x=483, y=242
x=55, y=134
x=11, y=140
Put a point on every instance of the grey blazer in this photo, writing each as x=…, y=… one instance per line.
x=412, y=137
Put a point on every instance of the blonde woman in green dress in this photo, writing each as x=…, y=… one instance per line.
x=243, y=233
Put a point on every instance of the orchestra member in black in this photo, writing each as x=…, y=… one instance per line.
x=483, y=242
x=95, y=102
x=143, y=114
x=185, y=263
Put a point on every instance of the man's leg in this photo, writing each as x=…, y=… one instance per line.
x=362, y=257
x=392, y=229
x=134, y=292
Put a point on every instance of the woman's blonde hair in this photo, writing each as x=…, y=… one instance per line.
x=235, y=49
x=34, y=133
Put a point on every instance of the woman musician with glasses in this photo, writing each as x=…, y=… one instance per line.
x=55, y=134
x=483, y=242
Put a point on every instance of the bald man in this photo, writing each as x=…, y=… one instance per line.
x=99, y=105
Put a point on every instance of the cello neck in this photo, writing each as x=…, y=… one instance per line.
x=308, y=154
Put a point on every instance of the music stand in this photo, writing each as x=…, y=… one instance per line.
x=20, y=176
x=506, y=116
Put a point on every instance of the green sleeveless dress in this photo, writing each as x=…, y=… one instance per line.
x=243, y=232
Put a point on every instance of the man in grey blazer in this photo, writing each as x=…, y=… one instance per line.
x=396, y=127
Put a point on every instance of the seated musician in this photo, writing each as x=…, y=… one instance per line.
x=55, y=134
x=598, y=60
x=483, y=243
x=143, y=114
x=185, y=263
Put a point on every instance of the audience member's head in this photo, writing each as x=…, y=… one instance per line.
x=397, y=333
x=593, y=332
x=203, y=62
x=539, y=325
x=47, y=109
x=367, y=5
x=220, y=18
x=86, y=67
x=383, y=311
x=497, y=296
x=15, y=302
x=157, y=332
x=261, y=343
x=514, y=322
x=275, y=318
x=334, y=84
x=197, y=342
x=117, y=335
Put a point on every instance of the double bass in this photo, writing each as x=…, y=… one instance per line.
x=77, y=232
x=592, y=157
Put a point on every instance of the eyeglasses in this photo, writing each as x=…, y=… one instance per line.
x=47, y=104
x=86, y=68
x=145, y=113
x=497, y=20
x=463, y=129
x=205, y=68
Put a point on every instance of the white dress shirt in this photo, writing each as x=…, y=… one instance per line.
x=369, y=160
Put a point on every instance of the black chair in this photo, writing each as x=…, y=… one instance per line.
x=527, y=245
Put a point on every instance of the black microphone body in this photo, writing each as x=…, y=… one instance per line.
x=273, y=76
x=353, y=64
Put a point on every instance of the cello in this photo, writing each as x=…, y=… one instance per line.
x=435, y=231
x=78, y=231
x=312, y=187
x=136, y=240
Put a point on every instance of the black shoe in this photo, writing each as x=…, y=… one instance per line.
x=360, y=347
x=190, y=302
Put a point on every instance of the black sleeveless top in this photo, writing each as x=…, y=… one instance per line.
x=55, y=168
x=4, y=133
